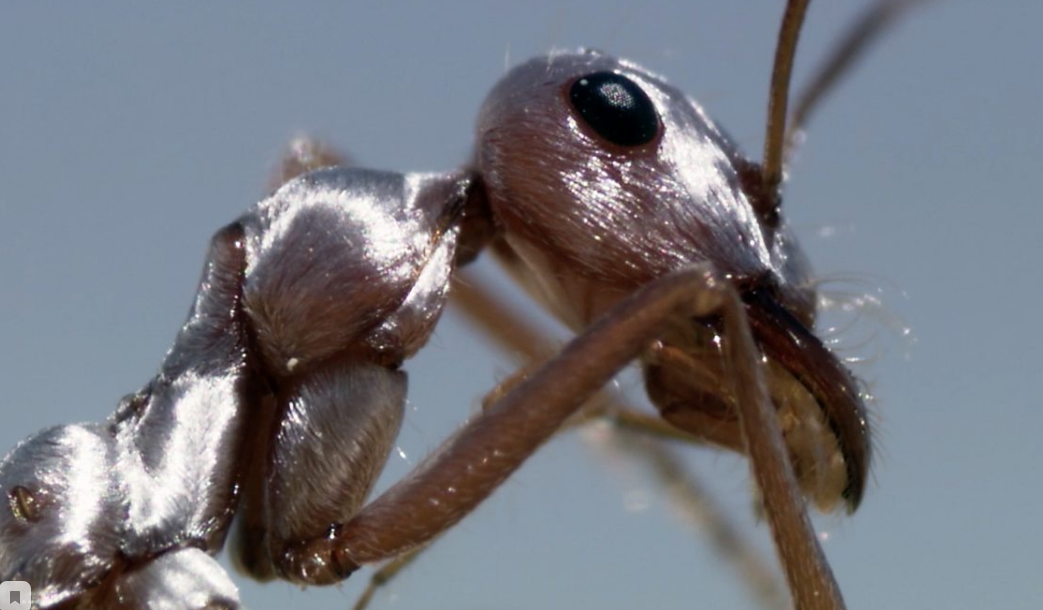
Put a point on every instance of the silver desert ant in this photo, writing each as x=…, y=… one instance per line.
x=605, y=192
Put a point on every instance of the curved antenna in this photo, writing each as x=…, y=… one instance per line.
x=778, y=96
x=851, y=46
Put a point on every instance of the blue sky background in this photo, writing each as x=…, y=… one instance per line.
x=129, y=133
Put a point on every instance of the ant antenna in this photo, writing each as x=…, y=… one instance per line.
x=778, y=97
x=781, y=134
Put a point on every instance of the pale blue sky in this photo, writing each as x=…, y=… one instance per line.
x=129, y=133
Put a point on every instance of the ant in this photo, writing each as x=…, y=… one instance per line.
x=605, y=192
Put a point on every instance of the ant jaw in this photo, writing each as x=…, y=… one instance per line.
x=830, y=392
x=820, y=412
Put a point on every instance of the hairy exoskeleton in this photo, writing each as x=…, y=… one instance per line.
x=608, y=194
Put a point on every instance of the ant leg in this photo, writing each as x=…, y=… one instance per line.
x=810, y=579
x=388, y=571
x=630, y=433
x=338, y=425
x=691, y=501
x=303, y=154
x=396, y=565
x=694, y=505
x=472, y=463
x=528, y=343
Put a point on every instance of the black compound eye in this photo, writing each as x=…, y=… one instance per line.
x=615, y=107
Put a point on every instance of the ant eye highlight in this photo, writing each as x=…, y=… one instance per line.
x=615, y=107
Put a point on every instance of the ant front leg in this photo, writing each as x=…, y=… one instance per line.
x=624, y=432
x=471, y=464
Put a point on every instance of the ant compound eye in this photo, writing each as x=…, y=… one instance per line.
x=615, y=107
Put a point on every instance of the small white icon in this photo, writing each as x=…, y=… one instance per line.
x=15, y=595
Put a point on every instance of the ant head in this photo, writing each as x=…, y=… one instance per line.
x=604, y=172
x=603, y=177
